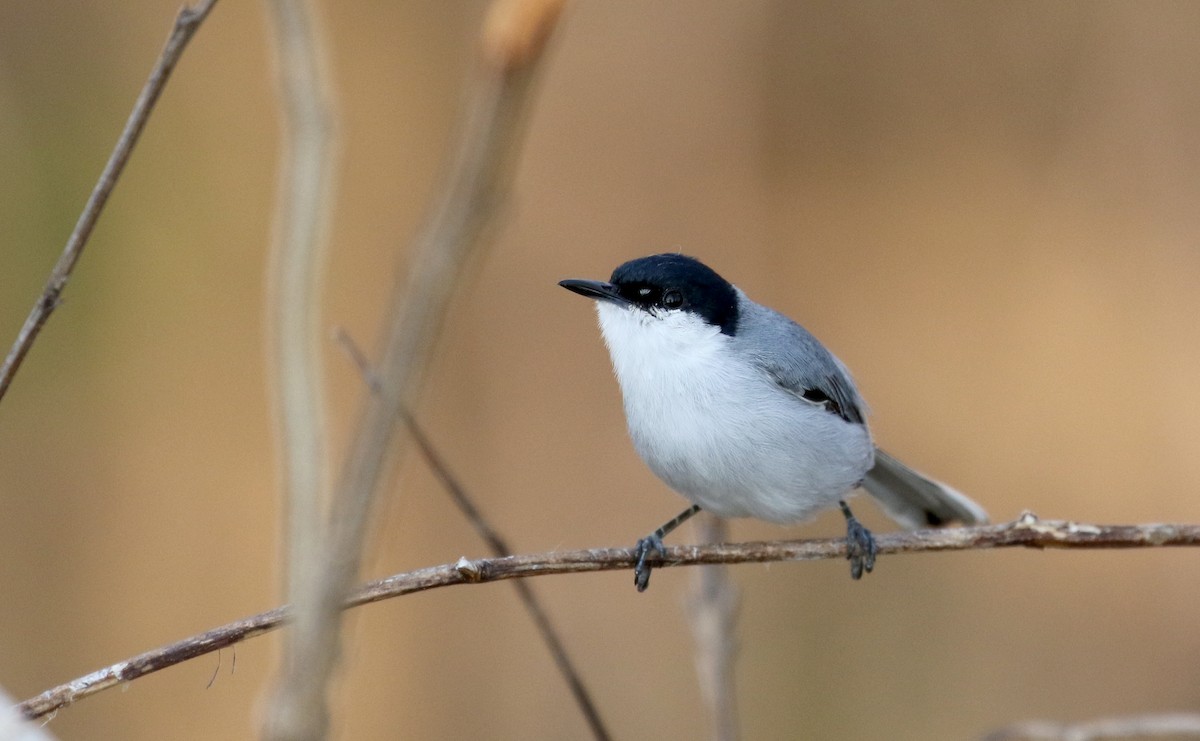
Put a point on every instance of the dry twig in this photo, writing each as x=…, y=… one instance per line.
x=496, y=544
x=187, y=22
x=1027, y=532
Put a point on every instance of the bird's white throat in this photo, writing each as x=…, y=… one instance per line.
x=658, y=345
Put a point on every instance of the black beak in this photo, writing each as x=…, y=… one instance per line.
x=595, y=289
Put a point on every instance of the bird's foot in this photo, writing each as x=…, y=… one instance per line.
x=860, y=545
x=641, y=571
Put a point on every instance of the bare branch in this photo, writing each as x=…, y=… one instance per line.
x=1165, y=725
x=496, y=544
x=513, y=37
x=297, y=259
x=186, y=24
x=1027, y=532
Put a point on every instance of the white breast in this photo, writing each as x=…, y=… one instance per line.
x=720, y=431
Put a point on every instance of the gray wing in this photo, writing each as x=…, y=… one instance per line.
x=798, y=362
x=801, y=365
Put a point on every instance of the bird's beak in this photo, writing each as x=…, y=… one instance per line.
x=595, y=289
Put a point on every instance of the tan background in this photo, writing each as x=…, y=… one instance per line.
x=989, y=211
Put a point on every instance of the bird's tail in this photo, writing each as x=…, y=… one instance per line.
x=915, y=500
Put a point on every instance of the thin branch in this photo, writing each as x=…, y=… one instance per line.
x=187, y=22
x=496, y=544
x=712, y=611
x=297, y=258
x=514, y=34
x=1165, y=725
x=1027, y=532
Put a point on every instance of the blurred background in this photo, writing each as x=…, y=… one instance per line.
x=988, y=211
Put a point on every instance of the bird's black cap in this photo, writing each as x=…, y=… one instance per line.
x=665, y=282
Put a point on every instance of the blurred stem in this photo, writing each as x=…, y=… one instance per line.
x=514, y=35
x=187, y=22
x=1026, y=532
x=303, y=206
x=712, y=611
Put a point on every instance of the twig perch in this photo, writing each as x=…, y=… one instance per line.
x=187, y=22
x=1027, y=532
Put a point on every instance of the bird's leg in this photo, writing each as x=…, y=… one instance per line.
x=860, y=544
x=653, y=543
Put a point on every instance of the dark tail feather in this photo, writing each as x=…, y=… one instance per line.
x=916, y=501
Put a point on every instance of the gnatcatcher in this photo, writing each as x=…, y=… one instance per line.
x=744, y=412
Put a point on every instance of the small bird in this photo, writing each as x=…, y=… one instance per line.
x=744, y=412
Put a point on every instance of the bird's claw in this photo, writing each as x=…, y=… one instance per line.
x=641, y=570
x=860, y=548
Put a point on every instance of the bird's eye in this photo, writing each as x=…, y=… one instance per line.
x=672, y=299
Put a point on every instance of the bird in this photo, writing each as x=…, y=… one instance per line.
x=744, y=412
